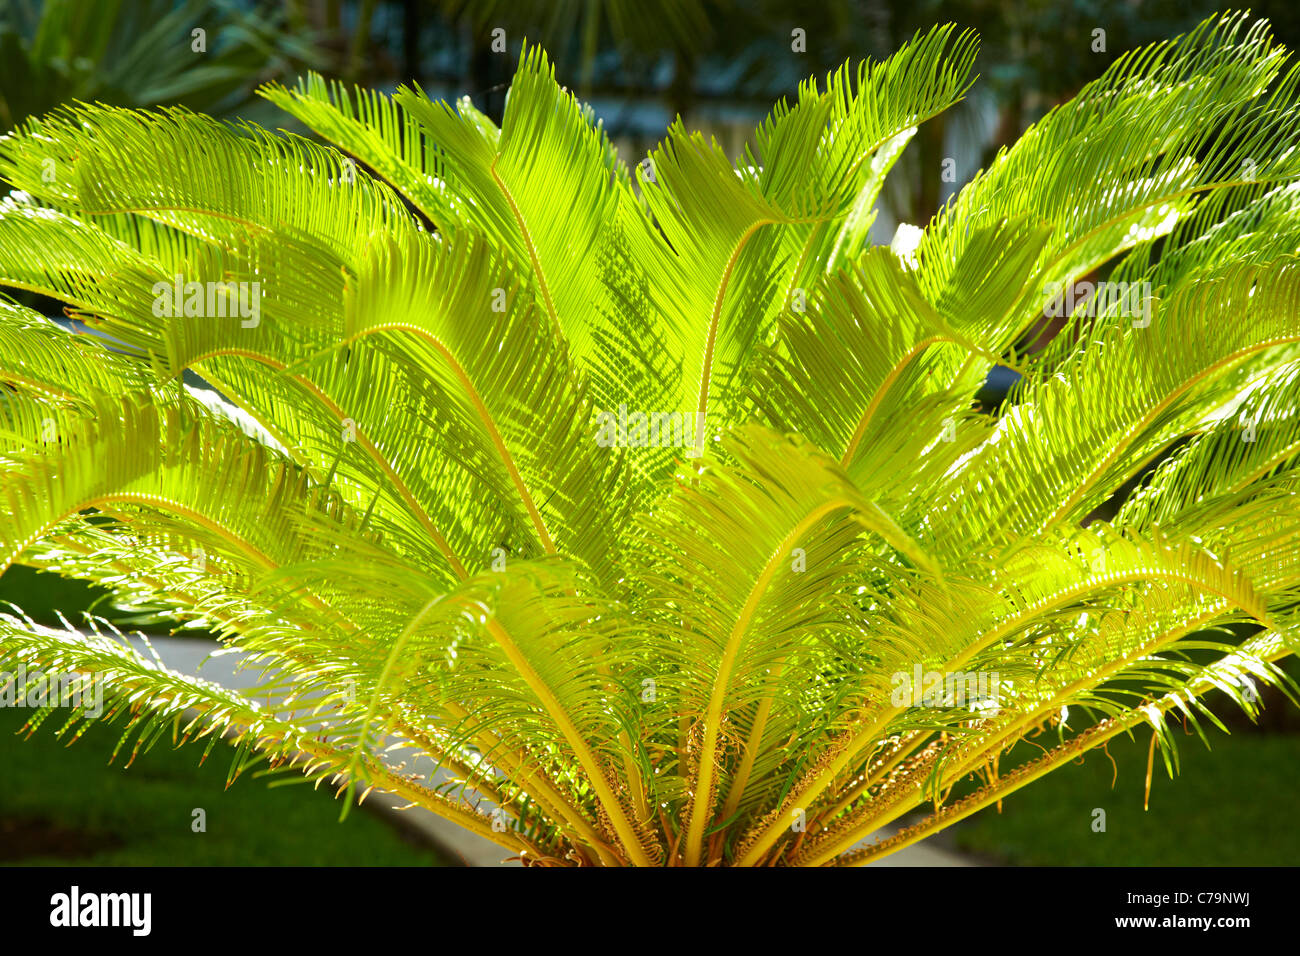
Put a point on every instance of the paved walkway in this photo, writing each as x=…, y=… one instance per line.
x=193, y=656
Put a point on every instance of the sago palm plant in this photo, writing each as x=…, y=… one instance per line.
x=652, y=502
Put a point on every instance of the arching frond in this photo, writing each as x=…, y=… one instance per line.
x=655, y=510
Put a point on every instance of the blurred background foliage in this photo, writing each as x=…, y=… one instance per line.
x=208, y=55
x=721, y=65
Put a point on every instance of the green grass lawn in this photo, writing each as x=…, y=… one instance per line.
x=65, y=806
x=1229, y=806
x=40, y=594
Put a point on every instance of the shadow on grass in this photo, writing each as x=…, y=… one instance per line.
x=65, y=806
x=1229, y=806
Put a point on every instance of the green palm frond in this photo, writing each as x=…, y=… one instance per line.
x=1128, y=157
x=732, y=242
x=653, y=506
x=1120, y=400
x=374, y=129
